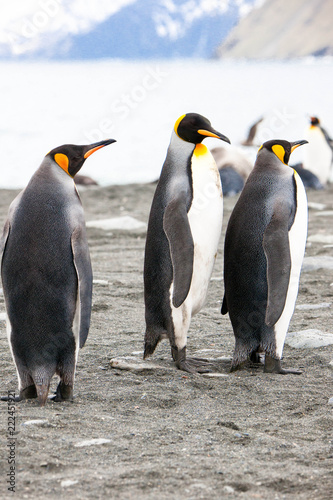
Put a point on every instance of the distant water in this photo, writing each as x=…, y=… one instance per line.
x=44, y=105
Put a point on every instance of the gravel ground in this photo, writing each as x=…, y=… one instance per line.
x=145, y=430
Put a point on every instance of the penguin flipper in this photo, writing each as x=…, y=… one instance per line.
x=178, y=232
x=224, y=308
x=276, y=248
x=84, y=274
x=4, y=236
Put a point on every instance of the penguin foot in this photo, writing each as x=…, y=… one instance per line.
x=63, y=393
x=16, y=399
x=26, y=393
x=274, y=366
x=190, y=365
x=235, y=368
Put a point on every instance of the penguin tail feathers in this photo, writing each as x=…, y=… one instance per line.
x=42, y=393
x=42, y=383
x=152, y=338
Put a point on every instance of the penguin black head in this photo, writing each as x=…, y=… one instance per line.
x=281, y=149
x=314, y=120
x=71, y=157
x=194, y=128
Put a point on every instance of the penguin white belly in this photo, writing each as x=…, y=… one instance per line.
x=297, y=240
x=205, y=219
x=317, y=155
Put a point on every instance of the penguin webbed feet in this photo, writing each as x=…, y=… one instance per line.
x=26, y=393
x=63, y=393
x=271, y=365
x=15, y=399
x=152, y=337
x=274, y=366
x=190, y=365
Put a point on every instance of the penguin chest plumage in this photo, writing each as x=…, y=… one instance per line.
x=205, y=219
x=297, y=240
x=318, y=154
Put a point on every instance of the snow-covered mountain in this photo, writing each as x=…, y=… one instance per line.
x=122, y=28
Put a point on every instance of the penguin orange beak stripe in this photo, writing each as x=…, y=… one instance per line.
x=208, y=133
x=91, y=151
x=97, y=145
x=296, y=144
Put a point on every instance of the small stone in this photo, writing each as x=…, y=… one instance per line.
x=308, y=339
x=67, y=482
x=2, y=316
x=100, y=282
x=129, y=363
x=215, y=375
x=38, y=423
x=305, y=307
x=321, y=238
x=330, y=401
x=316, y=206
x=125, y=223
x=228, y=489
x=317, y=262
x=325, y=213
x=92, y=442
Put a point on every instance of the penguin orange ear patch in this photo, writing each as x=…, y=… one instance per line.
x=62, y=160
x=279, y=151
x=178, y=122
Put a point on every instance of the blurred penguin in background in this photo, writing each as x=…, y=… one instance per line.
x=318, y=156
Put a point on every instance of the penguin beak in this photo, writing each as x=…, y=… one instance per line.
x=295, y=144
x=214, y=133
x=97, y=145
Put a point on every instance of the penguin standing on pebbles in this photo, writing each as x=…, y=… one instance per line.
x=183, y=234
x=264, y=249
x=46, y=275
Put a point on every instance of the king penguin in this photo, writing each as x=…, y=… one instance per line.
x=318, y=156
x=46, y=275
x=182, y=238
x=263, y=254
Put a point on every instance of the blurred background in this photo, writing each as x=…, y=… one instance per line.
x=78, y=71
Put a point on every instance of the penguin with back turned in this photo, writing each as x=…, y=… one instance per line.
x=46, y=275
x=263, y=254
x=183, y=234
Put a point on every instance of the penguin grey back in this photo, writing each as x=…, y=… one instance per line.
x=46, y=275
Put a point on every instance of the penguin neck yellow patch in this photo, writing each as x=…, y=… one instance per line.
x=279, y=151
x=63, y=162
x=177, y=123
x=200, y=149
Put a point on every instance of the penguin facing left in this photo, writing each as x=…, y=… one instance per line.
x=46, y=275
x=264, y=249
x=183, y=234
